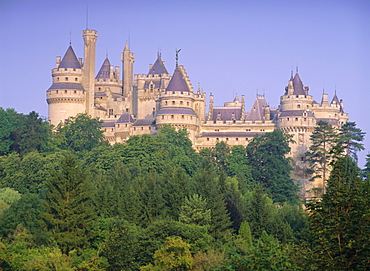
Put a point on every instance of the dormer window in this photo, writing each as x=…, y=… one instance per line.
x=151, y=88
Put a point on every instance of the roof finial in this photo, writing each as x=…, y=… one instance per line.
x=177, y=57
x=87, y=15
x=70, y=37
x=296, y=68
x=106, y=52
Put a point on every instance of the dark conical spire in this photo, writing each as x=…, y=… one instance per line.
x=70, y=60
x=104, y=72
x=298, y=85
x=158, y=67
x=177, y=82
x=335, y=98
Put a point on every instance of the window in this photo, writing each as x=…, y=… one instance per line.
x=65, y=91
x=142, y=128
x=56, y=91
x=66, y=78
x=75, y=92
x=217, y=138
x=305, y=119
x=151, y=87
x=182, y=116
x=110, y=111
x=237, y=139
x=298, y=106
x=165, y=102
x=207, y=138
x=172, y=116
x=181, y=102
x=162, y=117
x=173, y=102
x=126, y=110
x=227, y=139
x=76, y=79
x=296, y=119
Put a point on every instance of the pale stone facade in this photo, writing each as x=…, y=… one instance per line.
x=142, y=103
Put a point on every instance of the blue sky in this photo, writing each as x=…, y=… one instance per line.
x=229, y=47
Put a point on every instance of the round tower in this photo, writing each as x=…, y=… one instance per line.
x=176, y=104
x=66, y=96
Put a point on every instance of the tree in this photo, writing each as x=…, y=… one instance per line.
x=80, y=133
x=174, y=256
x=68, y=206
x=208, y=186
x=267, y=157
x=194, y=211
x=350, y=138
x=323, y=139
x=9, y=123
x=340, y=222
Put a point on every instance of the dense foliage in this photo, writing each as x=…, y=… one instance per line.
x=70, y=201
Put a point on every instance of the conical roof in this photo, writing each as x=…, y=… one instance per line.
x=158, y=67
x=104, y=71
x=177, y=82
x=70, y=60
x=335, y=99
x=298, y=85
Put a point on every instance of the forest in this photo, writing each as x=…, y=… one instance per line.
x=71, y=201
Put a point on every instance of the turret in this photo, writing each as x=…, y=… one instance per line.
x=66, y=96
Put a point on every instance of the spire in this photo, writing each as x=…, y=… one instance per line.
x=104, y=72
x=335, y=98
x=158, y=66
x=298, y=85
x=126, y=47
x=70, y=60
x=236, y=99
x=177, y=82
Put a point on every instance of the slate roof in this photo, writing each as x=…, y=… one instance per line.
x=330, y=121
x=74, y=86
x=226, y=113
x=298, y=85
x=296, y=113
x=157, y=84
x=231, y=134
x=176, y=110
x=104, y=71
x=143, y=122
x=257, y=111
x=125, y=118
x=158, y=67
x=108, y=124
x=335, y=99
x=177, y=82
x=70, y=60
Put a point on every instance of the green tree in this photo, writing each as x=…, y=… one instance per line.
x=366, y=170
x=35, y=134
x=174, y=256
x=208, y=186
x=80, y=133
x=350, y=139
x=319, y=157
x=270, y=166
x=194, y=211
x=9, y=123
x=121, y=245
x=68, y=206
x=340, y=222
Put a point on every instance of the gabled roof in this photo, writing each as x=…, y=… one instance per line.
x=177, y=82
x=257, y=111
x=70, y=60
x=298, y=85
x=158, y=67
x=104, y=71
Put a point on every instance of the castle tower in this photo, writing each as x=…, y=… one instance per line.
x=66, y=97
x=128, y=60
x=90, y=37
x=176, y=105
x=109, y=102
x=149, y=86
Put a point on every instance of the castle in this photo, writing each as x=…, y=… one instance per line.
x=137, y=104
